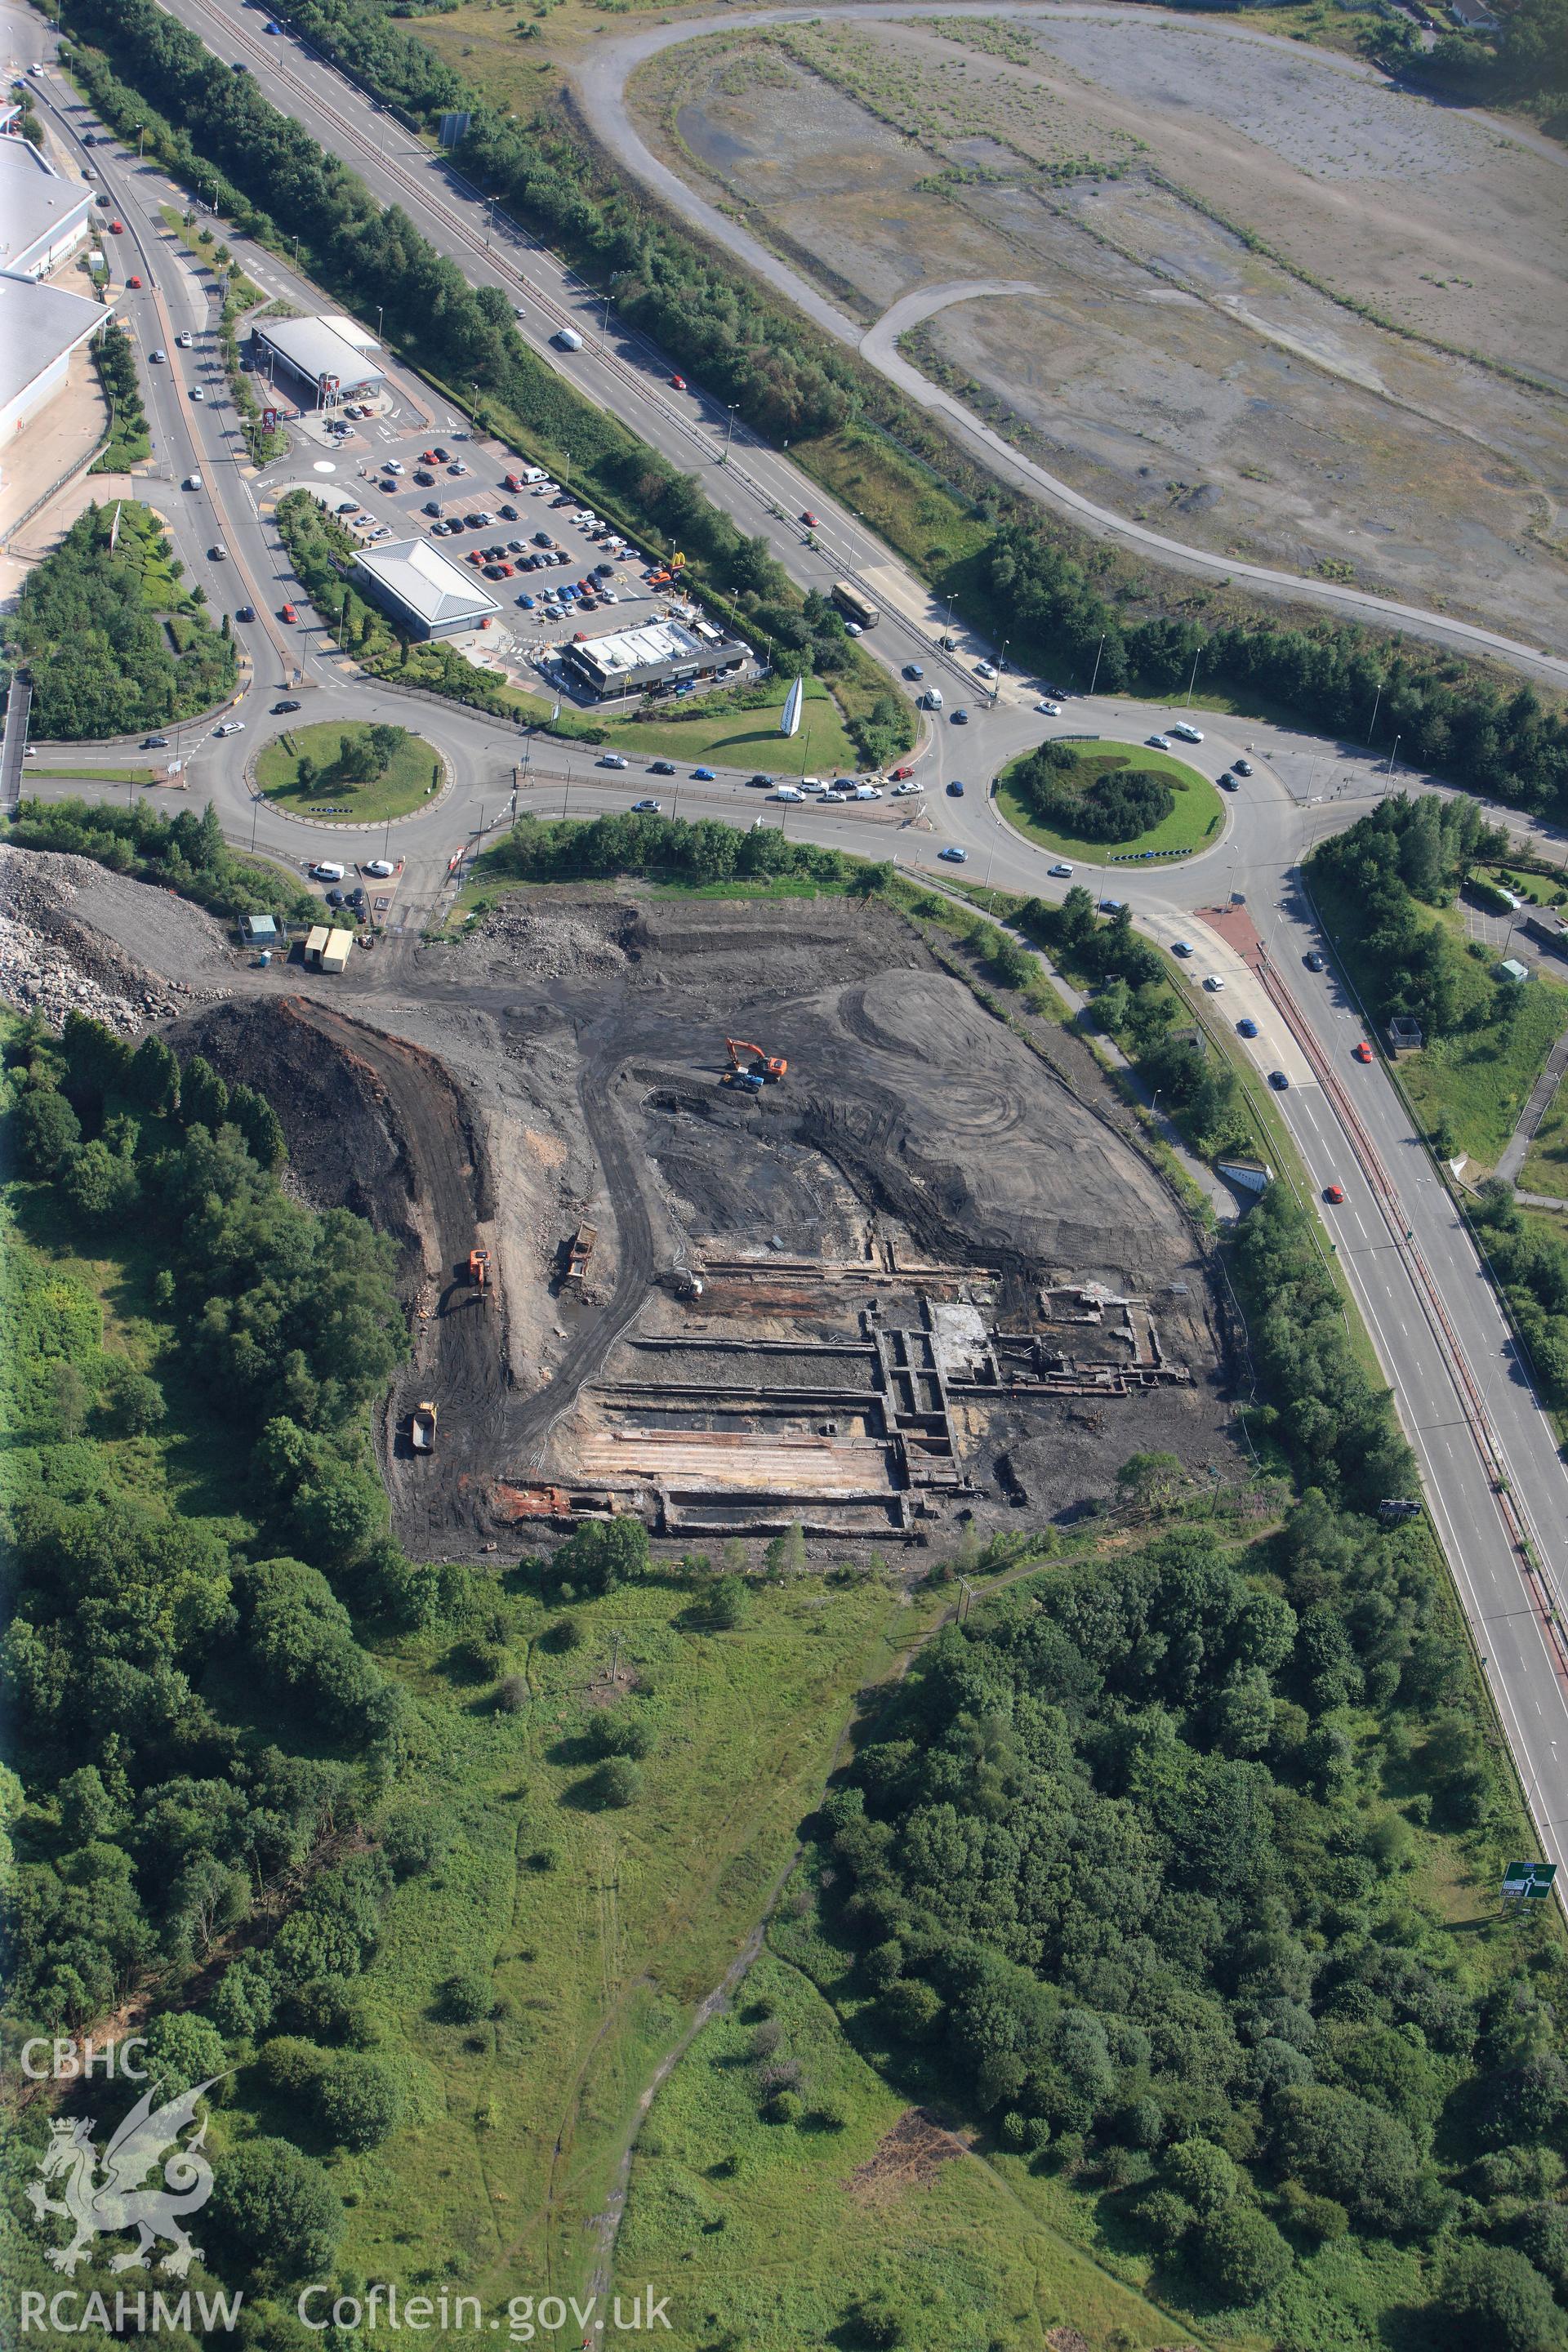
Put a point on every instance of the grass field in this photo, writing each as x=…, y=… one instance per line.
x=1195, y=820
x=407, y=781
x=774, y=2232
x=1545, y=1165
x=725, y=737
x=597, y=1930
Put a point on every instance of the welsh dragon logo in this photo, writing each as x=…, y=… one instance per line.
x=101, y=2196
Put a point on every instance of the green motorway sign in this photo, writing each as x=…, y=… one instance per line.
x=1529, y=1879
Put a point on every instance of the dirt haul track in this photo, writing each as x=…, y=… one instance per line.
x=881, y=1237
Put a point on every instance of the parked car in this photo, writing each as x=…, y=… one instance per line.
x=379, y=866
x=325, y=871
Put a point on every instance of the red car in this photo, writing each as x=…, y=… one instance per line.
x=513, y=482
x=117, y=228
x=1335, y=1193
x=1362, y=1052
x=427, y=457
x=809, y=520
x=898, y=775
x=133, y=283
x=678, y=382
x=288, y=614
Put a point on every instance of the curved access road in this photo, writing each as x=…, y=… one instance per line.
x=601, y=86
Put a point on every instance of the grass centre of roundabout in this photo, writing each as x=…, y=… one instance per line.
x=1195, y=821
x=412, y=775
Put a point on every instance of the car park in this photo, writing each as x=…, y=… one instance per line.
x=431, y=506
x=1247, y=1028
x=423, y=477
x=1061, y=870
x=1278, y=1081
x=954, y=855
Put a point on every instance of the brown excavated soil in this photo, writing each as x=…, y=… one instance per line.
x=908, y=2156
x=564, y=1063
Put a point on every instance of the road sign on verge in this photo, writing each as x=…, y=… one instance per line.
x=1529, y=1880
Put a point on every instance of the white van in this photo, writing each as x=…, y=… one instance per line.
x=567, y=339
x=532, y=475
x=789, y=792
x=931, y=698
x=867, y=791
x=193, y=482
x=326, y=873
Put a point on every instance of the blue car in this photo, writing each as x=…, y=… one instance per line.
x=703, y=775
x=955, y=790
x=1247, y=1028
x=527, y=603
x=955, y=855
x=1110, y=906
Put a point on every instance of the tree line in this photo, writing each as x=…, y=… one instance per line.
x=184, y=853
x=129, y=438
x=93, y=625
x=598, y=848
x=1444, y=713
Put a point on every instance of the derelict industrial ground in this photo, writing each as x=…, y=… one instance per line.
x=926, y=1278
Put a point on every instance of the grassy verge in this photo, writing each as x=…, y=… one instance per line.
x=412, y=773
x=1194, y=821
x=1474, y=1081
x=94, y=775
x=1545, y=1165
x=731, y=732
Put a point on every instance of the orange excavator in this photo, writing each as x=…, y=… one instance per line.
x=479, y=1271
x=767, y=1067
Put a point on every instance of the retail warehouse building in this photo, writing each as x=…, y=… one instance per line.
x=426, y=595
x=657, y=657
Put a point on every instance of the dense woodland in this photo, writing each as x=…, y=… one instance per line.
x=1072, y=600
x=196, y=1733
x=112, y=642
x=1131, y=1858
x=1403, y=858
